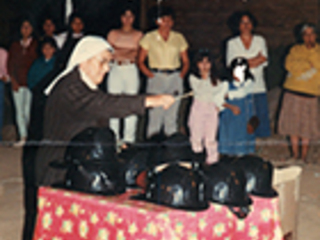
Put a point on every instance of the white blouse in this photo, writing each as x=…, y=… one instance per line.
x=235, y=48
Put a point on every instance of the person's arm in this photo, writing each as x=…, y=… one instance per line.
x=235, y=109
x=11, y=67
x=185, y=63
x=257, y=61
x=194, y=82
x=98, y=105
x=164, y=101
x=4, y=60
x=184, y=55
x=295, y=62
x=139, y=36
x=314, y=59
x=220, y=97
x=261, y=58
x=110, y=37
x=143, y=53
x=32, y=75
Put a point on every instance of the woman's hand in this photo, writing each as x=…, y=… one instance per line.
x=150, y=74
x=4, y=78
x=164, y=101
x=235, y=110
x=257, y=60
x=15, y=86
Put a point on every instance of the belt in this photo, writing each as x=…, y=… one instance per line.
x=166, y=71
x=123, y=62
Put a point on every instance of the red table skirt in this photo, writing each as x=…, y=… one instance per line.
x=66, y=215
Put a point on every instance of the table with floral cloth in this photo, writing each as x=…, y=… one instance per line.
x=64, y=215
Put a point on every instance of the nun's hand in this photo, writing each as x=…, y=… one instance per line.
x=164, y=101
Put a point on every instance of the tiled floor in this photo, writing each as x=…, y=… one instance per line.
x=11, y=209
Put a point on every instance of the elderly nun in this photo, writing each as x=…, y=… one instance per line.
x=75, y=103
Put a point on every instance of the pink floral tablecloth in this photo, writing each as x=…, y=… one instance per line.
x=64, y=215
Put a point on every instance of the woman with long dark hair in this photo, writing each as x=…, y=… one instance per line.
x=22, y=54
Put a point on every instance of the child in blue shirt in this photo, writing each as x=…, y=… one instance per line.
x=43, y=65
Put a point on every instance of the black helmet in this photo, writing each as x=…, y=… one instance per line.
x=135, y=161
x=96, y=178
x=259, y=175
x=92, y=144
x=172, y=149
x=226, y=184
x=177, y=187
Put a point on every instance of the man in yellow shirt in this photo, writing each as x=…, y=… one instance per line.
x=168, y=62
x=298, y=116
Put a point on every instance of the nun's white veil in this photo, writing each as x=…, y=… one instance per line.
x=86, y=48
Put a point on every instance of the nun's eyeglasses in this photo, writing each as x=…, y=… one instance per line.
x=103, y=61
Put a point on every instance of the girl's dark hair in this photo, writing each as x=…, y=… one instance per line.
x=31, y=23
x=235, y=20
x=43, y=20
x=156, y=12
x=239, y=61
x=166, y=12
x=199, y=56
x=72, y=17
x=75, y=15
x=128, y=7
x=48, y=40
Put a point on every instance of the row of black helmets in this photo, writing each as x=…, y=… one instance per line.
x=168, y=171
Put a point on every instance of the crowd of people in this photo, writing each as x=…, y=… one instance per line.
x=227, y=113
x=217, y=122
x=222, y=108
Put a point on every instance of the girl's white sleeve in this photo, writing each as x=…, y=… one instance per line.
x=193, y=81
x=219, y=99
